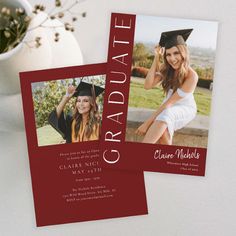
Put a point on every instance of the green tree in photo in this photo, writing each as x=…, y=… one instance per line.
x=140, y=53
x=46, y=98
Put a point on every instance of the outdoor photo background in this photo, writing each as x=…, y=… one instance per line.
x=202, y=47
x=47, y=95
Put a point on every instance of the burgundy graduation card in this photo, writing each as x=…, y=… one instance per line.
x=158, y=94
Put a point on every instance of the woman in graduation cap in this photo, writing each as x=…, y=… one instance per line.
x=178, y=81
x=84, y=124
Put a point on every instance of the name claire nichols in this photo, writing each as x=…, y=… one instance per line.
x=179, y=154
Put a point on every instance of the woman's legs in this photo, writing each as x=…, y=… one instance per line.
x=157, y=132
x=165, y=138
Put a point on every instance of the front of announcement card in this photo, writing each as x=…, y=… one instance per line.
x=158, y=94
x=62, y=109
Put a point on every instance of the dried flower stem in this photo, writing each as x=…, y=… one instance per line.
x=56, y=13
x=17, y=24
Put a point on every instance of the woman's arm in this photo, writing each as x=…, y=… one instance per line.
x=154, y=77
x=69, y=93
x=188, y=86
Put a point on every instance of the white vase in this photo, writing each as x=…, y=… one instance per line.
x=23, y=57
x=50, y=54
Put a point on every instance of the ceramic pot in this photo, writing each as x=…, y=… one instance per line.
x=23, y=57
x=51, y=54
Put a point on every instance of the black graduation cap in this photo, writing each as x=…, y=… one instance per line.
x=170, y=39
x=86, y=89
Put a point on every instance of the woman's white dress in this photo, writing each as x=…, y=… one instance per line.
x=181, y=113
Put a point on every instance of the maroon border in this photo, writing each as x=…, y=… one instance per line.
x=115, y=151
x=48, y=183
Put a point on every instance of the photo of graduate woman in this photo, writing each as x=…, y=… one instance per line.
x=178, y=81
x=84, y=124
x=171, y=82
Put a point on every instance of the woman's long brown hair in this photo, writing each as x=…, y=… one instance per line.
x=93, y=119
x=169, y=79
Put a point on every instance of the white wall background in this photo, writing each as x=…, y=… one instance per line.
x=178, y=205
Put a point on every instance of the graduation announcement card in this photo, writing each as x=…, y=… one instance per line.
x=160, y=75
x=63, y=117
